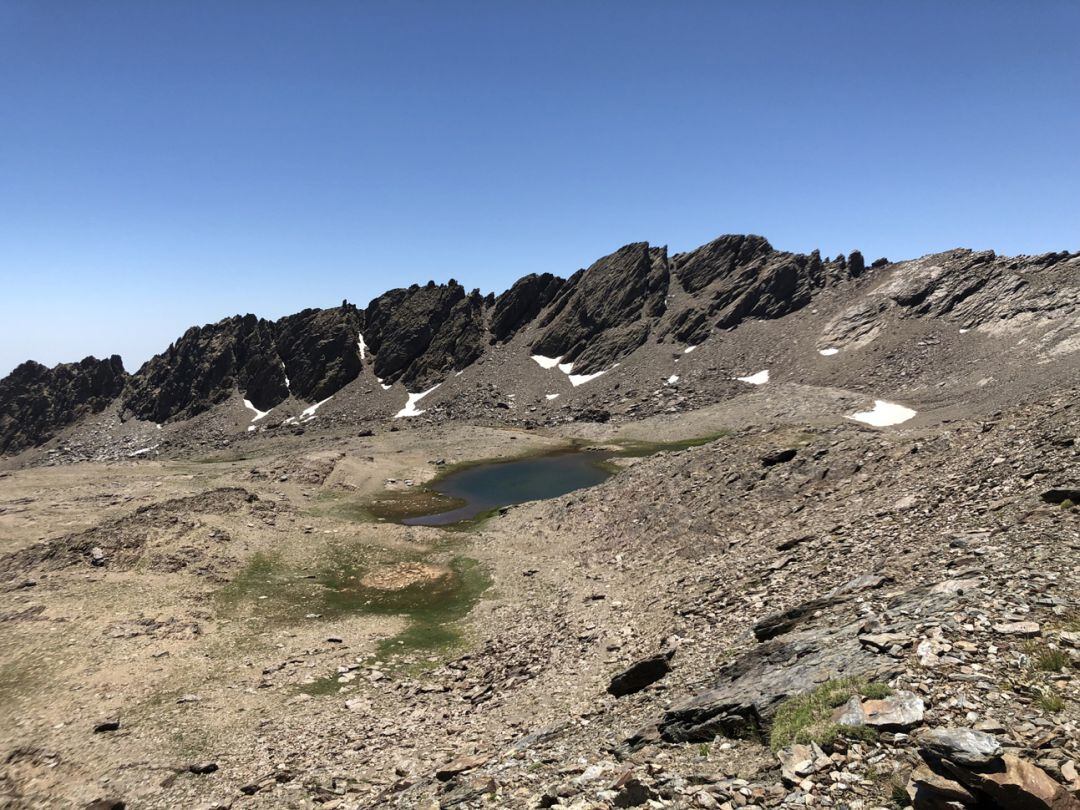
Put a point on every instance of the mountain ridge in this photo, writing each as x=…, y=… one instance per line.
x=421, y=334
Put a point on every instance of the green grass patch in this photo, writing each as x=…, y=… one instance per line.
x=1050, y=701
x=270, y=590
x=808, y=718
x=1047, y=659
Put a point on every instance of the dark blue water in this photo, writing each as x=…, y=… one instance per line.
x=504, y=483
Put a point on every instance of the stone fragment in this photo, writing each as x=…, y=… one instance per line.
x=458, y=766
x=1025, y=629
x=899, y=712
x=641, y=674
x=963, y=746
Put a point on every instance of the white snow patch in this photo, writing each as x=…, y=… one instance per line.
x=309, y=411
x=385, y=387
x=551, y=396
x=258, y=414
x=760, y=378
x=158, y=427
x=410, y=408
x=286, y=375
x=674, y=378
x=566, y=368
x=545, y=362
x=581, y=379
x=251, y=428
x=688, y=349
x=363, y=347
x=884, y=414
x=459, y=373
x=964, y=331
x=142, y=451
x=828, y=352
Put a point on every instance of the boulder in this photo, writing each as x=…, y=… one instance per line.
x=641, y=674
x=963, y=746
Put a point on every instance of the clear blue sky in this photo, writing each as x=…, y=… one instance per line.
x=170, y=163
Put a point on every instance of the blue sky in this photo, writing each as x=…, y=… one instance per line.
x=170, y=163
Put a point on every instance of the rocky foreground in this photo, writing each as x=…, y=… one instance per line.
x=795, y=614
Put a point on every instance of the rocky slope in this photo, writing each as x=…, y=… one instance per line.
x=636, y=310
x=35, y=400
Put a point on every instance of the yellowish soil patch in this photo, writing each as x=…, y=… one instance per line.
x=404, y=575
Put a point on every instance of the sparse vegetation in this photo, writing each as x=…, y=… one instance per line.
x=1047, y=659
x=1050, y=701
x=808, y=718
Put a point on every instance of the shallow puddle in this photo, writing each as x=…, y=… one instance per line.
x=486, y=487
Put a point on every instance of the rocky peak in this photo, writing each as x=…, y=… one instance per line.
x=418, y=334
x=35, y=400
x=603, y=313
x=317, y=350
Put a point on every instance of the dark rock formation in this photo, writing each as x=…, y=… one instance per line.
x=318, y=350
x=522, y=303
x=603, y=313
x=35, y=400
x=641, y=674
x=738, y=277
x=419, y=334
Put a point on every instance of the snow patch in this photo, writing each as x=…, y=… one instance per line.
x=410, y=408
x=828, y=352
x=258, y=414
x=142, y=451
x=309, y=411
x=884, y=414
x=674, y=378
x=760, y=378
x=550, y=397
x=688, y=349
x=964, y=331
x=566, y=368
x=545, y=362
x=286, y=375
x=363, y=347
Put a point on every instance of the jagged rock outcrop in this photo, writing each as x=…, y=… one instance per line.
x=419, y=334
x=310, y=354
x=603, y=313
x=35, y=400
x=319, y=349
x=737, y=277
x=522, y=303
x=204, y=367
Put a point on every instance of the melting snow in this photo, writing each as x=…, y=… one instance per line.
x=581, y=379
x=410, y=408
x=760, y=378
x=884, y=414
x=309, y=411
x=286, y=374
x=828, y=352
x=688, y=349
x=258, y=414
x=674, y=378
x=568, y=368
x=964, y=331
x=142, y=451
x=551, y=396
x=545, y=362
x=363, y=348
